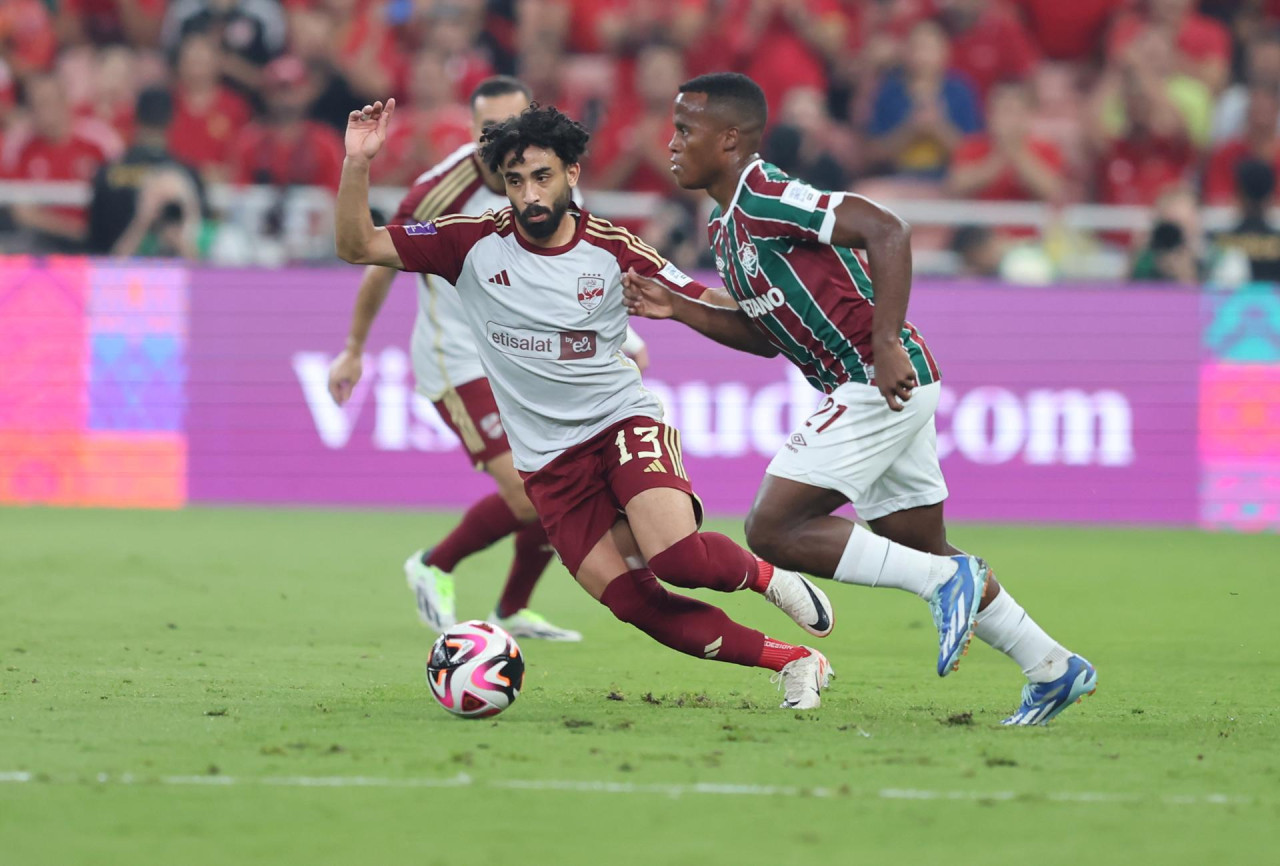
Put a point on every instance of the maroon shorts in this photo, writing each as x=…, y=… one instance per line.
x=471, y=413
x=578, y=496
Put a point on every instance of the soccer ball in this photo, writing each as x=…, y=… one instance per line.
x=475, y=669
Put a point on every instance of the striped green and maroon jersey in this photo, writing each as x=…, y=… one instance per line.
x=813, y=300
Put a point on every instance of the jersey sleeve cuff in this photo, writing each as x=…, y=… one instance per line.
x=829, y=219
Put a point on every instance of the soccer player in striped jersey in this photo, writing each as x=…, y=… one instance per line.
x=541, y=288
x=447, y=370
x=785, y=253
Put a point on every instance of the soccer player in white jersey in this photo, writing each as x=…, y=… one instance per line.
x=447, y=371
x=541, y=288
x=784, y=250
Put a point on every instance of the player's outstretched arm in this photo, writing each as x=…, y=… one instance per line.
x=645, y=296
x=863, y=224
x=346, y=369
x=357, y=239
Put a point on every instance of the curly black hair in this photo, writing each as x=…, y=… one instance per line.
x=536, y=126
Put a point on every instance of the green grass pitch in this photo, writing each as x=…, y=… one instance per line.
x=246, y=686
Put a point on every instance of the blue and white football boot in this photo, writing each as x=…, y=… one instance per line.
x=1042, y=701
x=954, y=606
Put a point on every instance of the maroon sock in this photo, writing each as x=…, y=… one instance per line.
x=707, y=560
x=533, y=552
x=682, y=623
x=484, y=523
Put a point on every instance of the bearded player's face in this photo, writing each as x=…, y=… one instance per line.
x=695, y=147
x=540, y=187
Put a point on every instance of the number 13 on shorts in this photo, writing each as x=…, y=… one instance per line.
x=656, y=444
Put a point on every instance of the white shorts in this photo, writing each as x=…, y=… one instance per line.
x=880, y=460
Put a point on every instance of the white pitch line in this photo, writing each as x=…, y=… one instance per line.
x=674, y=790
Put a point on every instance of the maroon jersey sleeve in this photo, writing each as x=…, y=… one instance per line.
x=440, y=191
x=440, y=247
x=631, y=252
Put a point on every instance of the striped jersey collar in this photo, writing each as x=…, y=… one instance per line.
x=742, y=180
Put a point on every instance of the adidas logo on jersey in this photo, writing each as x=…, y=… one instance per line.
x=655, y=466
x=500, y=279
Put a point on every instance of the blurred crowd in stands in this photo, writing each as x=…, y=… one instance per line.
x=1172, y=104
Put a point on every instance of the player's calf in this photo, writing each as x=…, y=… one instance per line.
x=701, y=630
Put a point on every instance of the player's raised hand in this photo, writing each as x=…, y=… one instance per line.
x=646, y=297
x=344, y=373
x=367, y=129
x=895, y=377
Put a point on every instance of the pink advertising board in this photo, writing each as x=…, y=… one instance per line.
x=1071, y=404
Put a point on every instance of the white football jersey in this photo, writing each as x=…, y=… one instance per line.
x=549, y=322
x=445, y=355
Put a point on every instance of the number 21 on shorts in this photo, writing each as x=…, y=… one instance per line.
x=827, y=406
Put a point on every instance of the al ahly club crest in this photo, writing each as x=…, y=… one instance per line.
x=590, y=291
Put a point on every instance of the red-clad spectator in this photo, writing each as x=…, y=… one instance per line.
x=284, y=148
x=630, y=150
x=372, y=52
x=206, y=115
x=1259, y=141
x=781, y=44
x=619, y=26
x=56, y=146
x=1006, y=163
x=1069, y=29
x=1148, y=123
x=102, y=22
x=1204, y=45
x=27, y=38
x=114, y=90
x=428, y=127
x=988, y=43
x=454, y=32
x=893, y=20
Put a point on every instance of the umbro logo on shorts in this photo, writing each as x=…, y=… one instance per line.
x=797, y=439
x=500, y=279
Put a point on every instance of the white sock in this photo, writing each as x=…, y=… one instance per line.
x=872, y=560
x=1008, y=628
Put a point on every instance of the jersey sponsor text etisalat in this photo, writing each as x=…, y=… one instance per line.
x=549, y=332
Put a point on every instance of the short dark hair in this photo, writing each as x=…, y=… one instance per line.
x=499, y=85
x=1255, y=180
x=154, y=108
x=742, y=96
x=534, y=127
x=969, y=237
x=1167, y=236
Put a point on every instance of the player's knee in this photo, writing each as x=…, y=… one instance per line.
x=768, y=539
x=631, y=596
x=684, y=563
